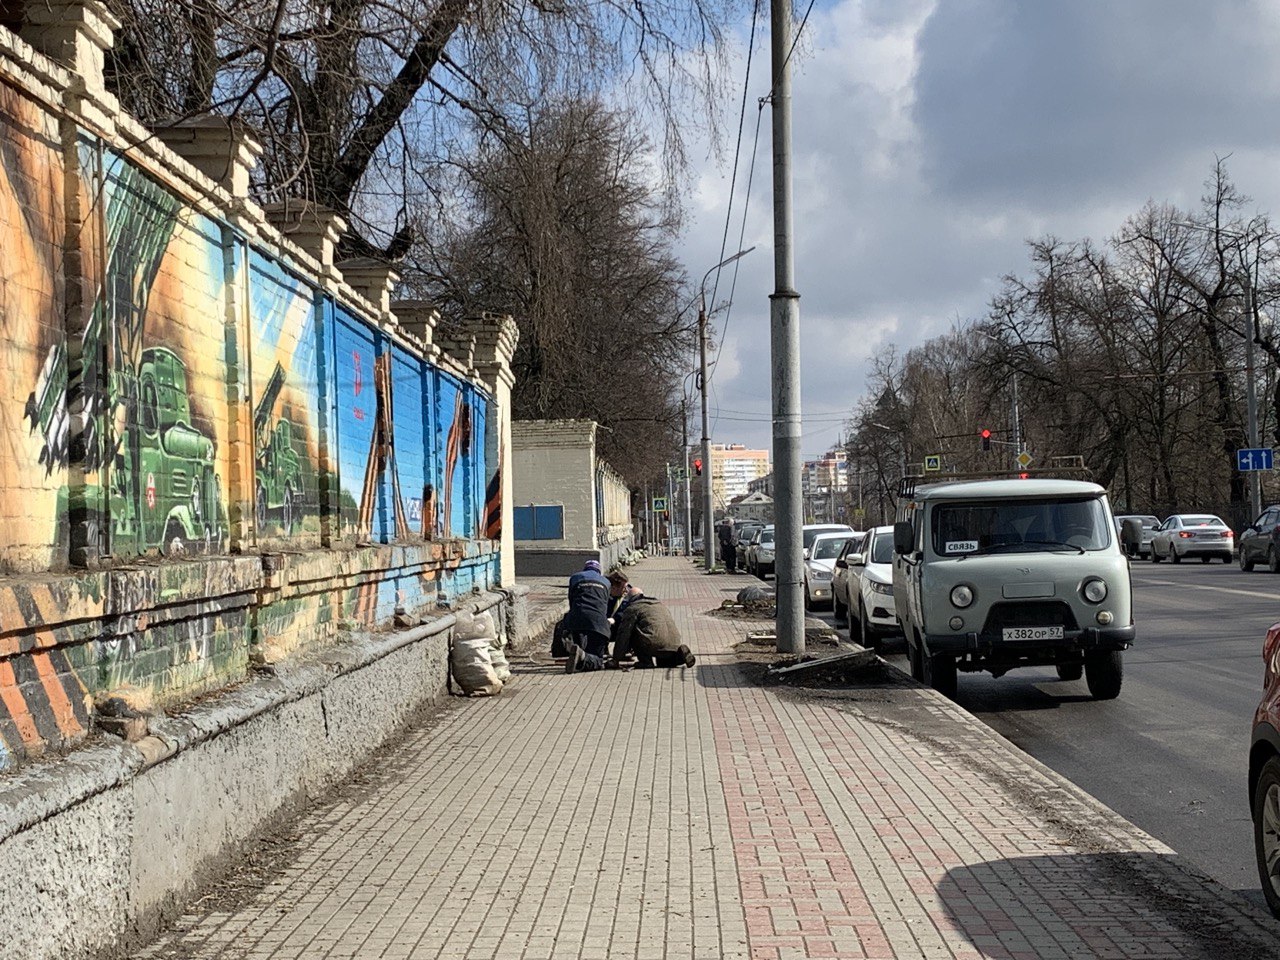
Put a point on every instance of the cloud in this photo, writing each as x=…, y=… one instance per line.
x=933, y=139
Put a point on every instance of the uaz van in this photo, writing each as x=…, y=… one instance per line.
x=998, y=574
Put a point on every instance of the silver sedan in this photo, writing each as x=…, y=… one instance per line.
x=1192, y=535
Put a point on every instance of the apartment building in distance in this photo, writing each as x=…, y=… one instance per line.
x=824, y=486
x=733, y=468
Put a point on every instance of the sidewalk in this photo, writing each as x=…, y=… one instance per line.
x=687, y=814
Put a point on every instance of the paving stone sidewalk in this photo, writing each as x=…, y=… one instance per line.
x=691, y=814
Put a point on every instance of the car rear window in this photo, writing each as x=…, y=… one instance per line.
x=1202, y=521
x=828, y=549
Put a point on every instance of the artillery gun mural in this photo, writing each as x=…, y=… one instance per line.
x=278, y=469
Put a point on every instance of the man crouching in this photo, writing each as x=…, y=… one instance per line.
x=644, y=627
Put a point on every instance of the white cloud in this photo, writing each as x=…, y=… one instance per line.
x=932, y=139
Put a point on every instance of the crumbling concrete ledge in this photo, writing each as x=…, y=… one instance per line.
x=105, y=844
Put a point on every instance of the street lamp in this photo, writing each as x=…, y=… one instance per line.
x=708, y=506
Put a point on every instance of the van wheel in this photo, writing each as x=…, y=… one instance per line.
x=1104, y=673
x=940, y=673
x=1070, y=671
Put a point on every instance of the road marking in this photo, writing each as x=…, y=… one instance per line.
x=1201, y=586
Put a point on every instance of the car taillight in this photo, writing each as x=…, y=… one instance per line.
x=1228, y=534
x=1270, y=651
x=1185, y=535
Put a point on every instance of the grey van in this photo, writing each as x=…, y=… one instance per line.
x=997, y=574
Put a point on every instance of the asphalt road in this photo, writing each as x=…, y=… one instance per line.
x=1171, y=754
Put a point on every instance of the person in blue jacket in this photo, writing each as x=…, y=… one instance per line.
x=587, y=622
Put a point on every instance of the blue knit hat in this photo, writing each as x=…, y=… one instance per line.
x=592, y=565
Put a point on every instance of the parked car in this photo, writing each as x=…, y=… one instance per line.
x=868, y=608
x=760, y=553
x=745, y=531
x=819, y=564
x=1260, y=541
x=811, y=530
x=840, y=579
x=1149, y=526
x=999, y=574
x=1192, y=535
x=1264, y=772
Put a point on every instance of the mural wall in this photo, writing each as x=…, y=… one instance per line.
x=176, y=397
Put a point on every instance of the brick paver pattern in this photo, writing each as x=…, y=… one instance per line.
x=689, y=814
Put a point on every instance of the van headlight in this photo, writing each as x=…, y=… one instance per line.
x=1095, y=591
x=962, y=596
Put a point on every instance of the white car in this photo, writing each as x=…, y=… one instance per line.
x=867, y=605
x=1192, y=535
x=760, y=553
x=819, y=562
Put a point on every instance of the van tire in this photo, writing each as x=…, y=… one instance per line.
x=1070, y=671
x=1104, y=673
x=940, y=673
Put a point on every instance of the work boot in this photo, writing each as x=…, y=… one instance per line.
x=689, y=658
x=576, y=656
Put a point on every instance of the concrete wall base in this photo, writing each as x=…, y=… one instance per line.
x=109, y=842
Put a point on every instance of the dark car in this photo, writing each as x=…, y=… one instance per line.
x=1264, y=773
x=1260, y=541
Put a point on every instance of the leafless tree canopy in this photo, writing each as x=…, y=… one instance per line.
x=563, y=230
x=1129, y=354
x=361, y=103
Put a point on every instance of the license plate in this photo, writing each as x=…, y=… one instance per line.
x=1033, y=633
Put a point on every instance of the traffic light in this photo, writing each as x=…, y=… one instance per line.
x=986, y=439
x=697, y=466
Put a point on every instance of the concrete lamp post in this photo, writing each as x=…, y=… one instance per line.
x=708, y=505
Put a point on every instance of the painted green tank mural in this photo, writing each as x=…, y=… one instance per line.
x=165, y=486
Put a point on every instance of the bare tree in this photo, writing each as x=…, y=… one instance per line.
x=362, y=103
x=561, y=230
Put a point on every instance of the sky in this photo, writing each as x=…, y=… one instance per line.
x=933, y=138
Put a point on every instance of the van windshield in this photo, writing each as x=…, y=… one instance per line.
x=1020, y=526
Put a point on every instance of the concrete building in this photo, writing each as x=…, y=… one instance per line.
x=824, y=485
x=569, y=505
x=762, y=485
x=733, y=467
x=752, y=506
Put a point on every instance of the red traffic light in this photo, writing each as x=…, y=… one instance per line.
x=986, y=434
x=697, y=466
x=986, y=438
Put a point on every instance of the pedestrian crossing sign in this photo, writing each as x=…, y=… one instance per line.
x=933, y=463
x=659, y=504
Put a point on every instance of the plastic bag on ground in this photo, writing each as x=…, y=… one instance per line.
x=472, y=663
x=481, y=626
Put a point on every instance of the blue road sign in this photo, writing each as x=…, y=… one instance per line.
x=1256, y=458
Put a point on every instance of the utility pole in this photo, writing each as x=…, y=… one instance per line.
x=671, y=502
x=708, y=507
x=1017, y=419
x=708, y=474
x=688, y=507
x=784, y=342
